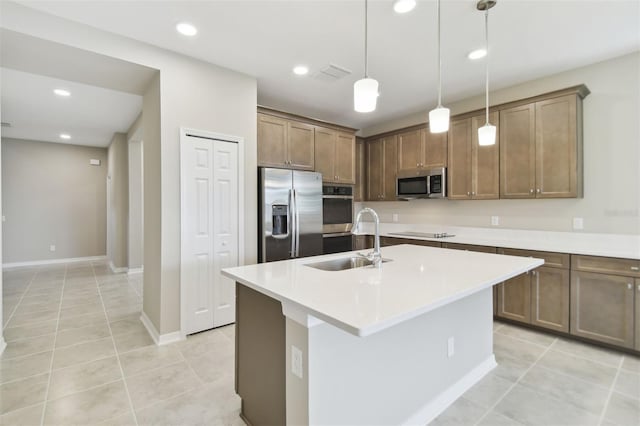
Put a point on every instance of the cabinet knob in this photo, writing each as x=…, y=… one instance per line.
x=473, y=192
x=531, y=191
x=638, y=287
x=468, y=194
x=533, y=273
x=629, y=286
x=538, y=190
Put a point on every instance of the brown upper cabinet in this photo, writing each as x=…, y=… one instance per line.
x=541, y=148
x=381, y=169
x=419, y=148
x=359, y=191
x=335, y=156
x=473, y=171
x=285, y=143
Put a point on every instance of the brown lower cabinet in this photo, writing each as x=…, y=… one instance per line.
x=362, y=242
x=637, y=347
x=602, y=308
x=392, y=241
x=539, y=297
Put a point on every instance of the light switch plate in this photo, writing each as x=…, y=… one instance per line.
x=394, y=217
x=495, y=220
x=52, y=248
x=578, y=223
x=94, y=162
x=296, y=361
x=451, y=349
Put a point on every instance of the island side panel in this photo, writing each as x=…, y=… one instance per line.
x=260, y=357
x=401, y=375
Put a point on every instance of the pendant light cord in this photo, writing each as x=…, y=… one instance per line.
x=366, y=59
x=486, y=35
x=439, y=62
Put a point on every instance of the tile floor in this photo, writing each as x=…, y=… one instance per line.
x=78, y=354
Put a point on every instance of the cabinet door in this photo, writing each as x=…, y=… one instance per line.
x=434, y=149
x=550, y=298
x=272, y=141
x=485, y=162
x=556, y=148
x=517, y=152
x=359, y=190
x=514, y=298
x=345, y=158
x=459, y=158
x=410, y=153
x=325, y=153
x=300, y=145
x=637, y=325
x=602, y=308
x=375, y=169
x=389, y=164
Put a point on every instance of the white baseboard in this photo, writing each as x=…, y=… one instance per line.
x=117, y=270
x=3, y=344
x=436, y=406
x=52, y=261
x=134, y=271
x=160, y=339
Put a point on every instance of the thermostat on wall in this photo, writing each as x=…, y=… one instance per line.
x=94, y=162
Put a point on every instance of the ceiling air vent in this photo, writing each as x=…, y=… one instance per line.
x=5, y=124
x=331, y=73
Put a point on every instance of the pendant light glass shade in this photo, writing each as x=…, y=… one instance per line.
x=365, y=95
x=439, y=117
x=487, y=135
x=439, y=120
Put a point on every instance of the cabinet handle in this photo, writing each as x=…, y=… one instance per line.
x=629, y=286
x=635, y=268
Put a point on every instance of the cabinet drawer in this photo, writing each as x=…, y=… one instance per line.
x=392, y=241
x=606, y=265
x=551, y=259
x=469, y=247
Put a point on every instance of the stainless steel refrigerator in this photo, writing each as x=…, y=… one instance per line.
x=290, y=220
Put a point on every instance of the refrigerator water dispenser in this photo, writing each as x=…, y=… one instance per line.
x=279, y=215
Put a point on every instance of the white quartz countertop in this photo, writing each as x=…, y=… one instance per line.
x=363, y=301
x=607, y=245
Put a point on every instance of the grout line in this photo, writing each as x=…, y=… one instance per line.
x=113, y=341
x=20, y=301
x=611, y=390
x=46, y=394
x=492, y=407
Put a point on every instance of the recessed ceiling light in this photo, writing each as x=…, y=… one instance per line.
x=404, y=6
x=62, y=92
x=477, y=54
x=65, y=136
x=300, y=70
x=187, y=29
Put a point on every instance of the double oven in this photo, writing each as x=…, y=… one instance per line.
x=337, y=214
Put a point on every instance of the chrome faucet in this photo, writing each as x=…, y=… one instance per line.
x=374, y=256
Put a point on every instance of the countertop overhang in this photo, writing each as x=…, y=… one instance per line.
x=363, y=301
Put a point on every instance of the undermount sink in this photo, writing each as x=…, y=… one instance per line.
x=343, y=263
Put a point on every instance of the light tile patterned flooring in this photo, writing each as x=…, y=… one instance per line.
x=78, y=354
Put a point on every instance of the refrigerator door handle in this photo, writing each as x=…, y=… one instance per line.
x=293, y=231
x=296, y=235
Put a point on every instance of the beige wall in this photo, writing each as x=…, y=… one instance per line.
x=136, y=193
x=52, y=196
x=192, y=94
x=611, y=202
x=118, y=201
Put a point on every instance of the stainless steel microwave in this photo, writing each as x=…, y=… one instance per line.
x=422, y=183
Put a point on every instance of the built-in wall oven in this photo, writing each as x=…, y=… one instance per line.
x=337, y=216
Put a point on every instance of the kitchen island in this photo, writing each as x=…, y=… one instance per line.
x=394, y=344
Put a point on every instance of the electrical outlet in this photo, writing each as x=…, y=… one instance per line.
x=394, y=217
x=451, y=349
x=296, y=361
x=578, y=223
x=52, y=247
x=495, y=220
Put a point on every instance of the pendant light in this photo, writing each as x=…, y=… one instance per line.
x=486, y=133
x=365, y=90
x=439, y=117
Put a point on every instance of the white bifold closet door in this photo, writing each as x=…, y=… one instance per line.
x=209, y=231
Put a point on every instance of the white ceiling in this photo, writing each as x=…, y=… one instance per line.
x=91, y=115
x=529, y=39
